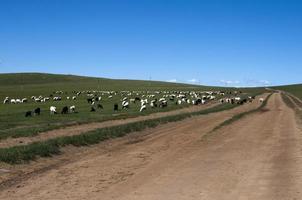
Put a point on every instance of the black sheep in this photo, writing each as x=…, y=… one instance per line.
x=28, y=114
x=37, y=111
x=115, y=107
x=64, y=110
x=90, y=100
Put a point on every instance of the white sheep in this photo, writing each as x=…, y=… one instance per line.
x=237, y=98
x=125, y=104
x=24, y=100
x=72, y=108
x=6, y=100
x=144, y=102
x=37, y=99
x=53, y=110
x=153, y=103
x=143, y=107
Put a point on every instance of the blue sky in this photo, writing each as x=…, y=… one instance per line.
x=211, y=42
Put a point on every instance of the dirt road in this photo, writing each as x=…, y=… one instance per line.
x=258, y=157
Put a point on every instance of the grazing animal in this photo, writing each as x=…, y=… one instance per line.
x=72, y=108
x=28, y=114
x=115, y=107
x=24, y=100
x=6, y=101
x=153, y=103
x=261, y=100
x=143, y=107
x=37, y=111
x=163, y=104
x=237, y=98
x=64, y=110
x=37, y=100
x=92, y=109
x=90, y=100
x=53, y=110
x=57, y=98
x=100, y=106
x=125, y=104
x=198, y=101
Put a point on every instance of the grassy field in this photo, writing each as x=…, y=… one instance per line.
x=25, y=153
x=24, y=85
x=293, y=89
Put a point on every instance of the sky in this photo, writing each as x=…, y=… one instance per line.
x=208, y=42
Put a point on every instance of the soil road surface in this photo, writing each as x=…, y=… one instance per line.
x=257, y=157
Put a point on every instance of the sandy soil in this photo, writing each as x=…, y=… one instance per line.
x=258, y=157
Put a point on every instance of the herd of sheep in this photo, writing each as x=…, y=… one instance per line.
x=146, y=99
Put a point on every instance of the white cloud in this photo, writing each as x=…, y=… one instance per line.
x=229, y=82
x=265, y=82
x=172, y=80
x=193, y=80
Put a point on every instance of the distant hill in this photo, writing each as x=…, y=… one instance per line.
x=39, y=83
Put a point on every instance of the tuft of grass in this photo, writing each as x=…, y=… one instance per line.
x=26, y=153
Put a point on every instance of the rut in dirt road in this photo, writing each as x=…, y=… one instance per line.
x=258, y=157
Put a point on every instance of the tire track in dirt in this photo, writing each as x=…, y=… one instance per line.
x=258, y=157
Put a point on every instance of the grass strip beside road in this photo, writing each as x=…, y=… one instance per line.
x=241, y=115
x=26, y=153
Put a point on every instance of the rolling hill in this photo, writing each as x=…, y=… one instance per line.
x=24, y=84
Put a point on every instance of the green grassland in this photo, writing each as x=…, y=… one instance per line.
x=14, y=124
x=26, y=153
x=293, y=89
